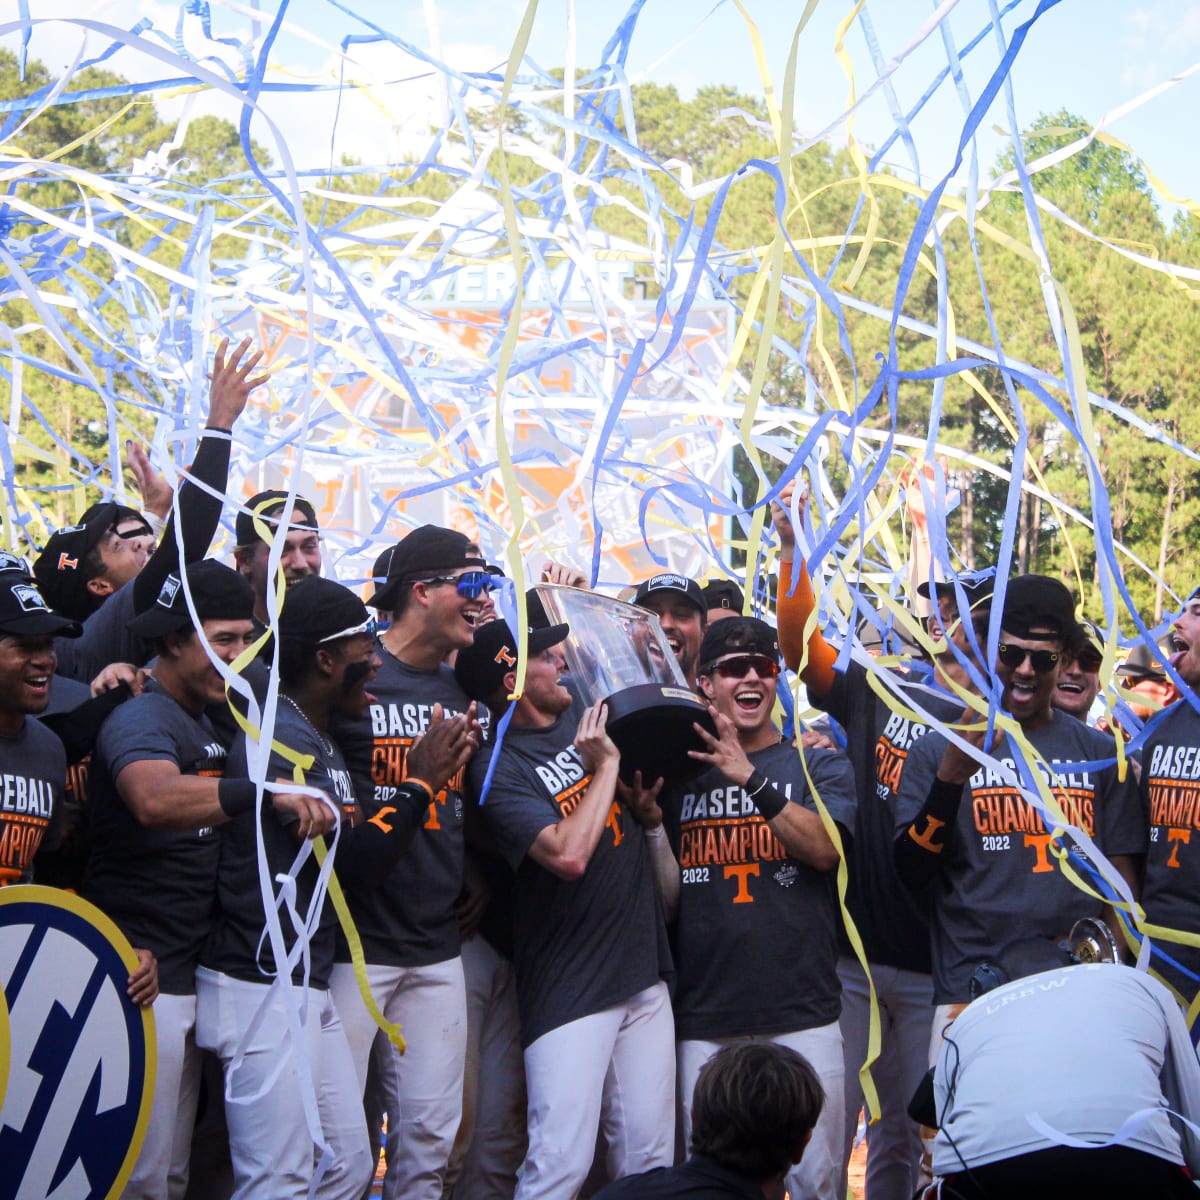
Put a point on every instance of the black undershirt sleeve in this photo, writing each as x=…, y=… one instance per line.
x=367, y=852
x=199, y=515
x=918, y=851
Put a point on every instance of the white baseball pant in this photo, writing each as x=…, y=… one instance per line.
x=615, y=1066
x=430, y=1005
x=491, y=1139
x=161, y=1170
x=905, y=1002
x=274, y=1156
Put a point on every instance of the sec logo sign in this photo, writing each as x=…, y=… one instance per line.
x=76, y=1057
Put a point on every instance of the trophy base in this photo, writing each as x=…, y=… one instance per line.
x=651, y=724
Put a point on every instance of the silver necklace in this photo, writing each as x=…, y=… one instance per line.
x=326, y=745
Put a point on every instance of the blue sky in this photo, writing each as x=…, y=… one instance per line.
x=1088, y=56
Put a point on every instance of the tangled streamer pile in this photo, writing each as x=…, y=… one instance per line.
x=542, y=329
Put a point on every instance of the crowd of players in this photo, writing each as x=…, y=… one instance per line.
x=563, y=959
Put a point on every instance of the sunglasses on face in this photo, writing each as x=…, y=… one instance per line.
x=739, y=668
x=1014, y=656
x=470, y=585
x=1089, y=661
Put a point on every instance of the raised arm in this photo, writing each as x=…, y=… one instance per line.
x=796, y=605
x=931, y=791
x=202, y=494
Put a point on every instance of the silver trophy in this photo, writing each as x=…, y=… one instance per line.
x=1091, y=941
x=618, y=653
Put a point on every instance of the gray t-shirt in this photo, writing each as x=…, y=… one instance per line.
x=158, y=885
x=743, y=898
x=578, y=947
x=1078, y=1051
x=892, y=921
x=408, y=920
x=1001, y=880
x=238, y=946
x=33, y=766
x=1170, y=790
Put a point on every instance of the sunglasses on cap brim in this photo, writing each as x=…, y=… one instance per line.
x=368, y=626
x=137, y=531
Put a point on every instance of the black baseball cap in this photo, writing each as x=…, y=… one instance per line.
x=218, y=593
x=14, y=562
x=316, y=609
x=24, y=611
x=723, y=593
x=268, y=507
x=480, y=667
x=1142, y=663
x=668, y=584
x=737, y=635
x=62, y=569
x=1038, y=602
x=978, y=585
x=426, y=552
x=123, y=513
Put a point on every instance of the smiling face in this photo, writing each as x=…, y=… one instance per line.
x=449, y=618
x=743, y=686
x=1078, y=683
x=1185, y=636
x=683, y=623
x=26, y=666
x=299, y=558
x=185, y=669
x=1028, y=693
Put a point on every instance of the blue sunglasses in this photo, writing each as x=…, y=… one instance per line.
x=470, y=585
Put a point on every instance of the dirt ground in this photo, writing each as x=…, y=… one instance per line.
x=858, y=1170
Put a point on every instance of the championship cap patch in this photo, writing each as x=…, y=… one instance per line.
x=29, y=598
x=168, y=591
x=671, y=581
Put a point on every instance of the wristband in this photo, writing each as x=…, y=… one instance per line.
x=943, y=799
x=422, y=785
x=767, y=798
x=657, y=832
x=236, y=796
